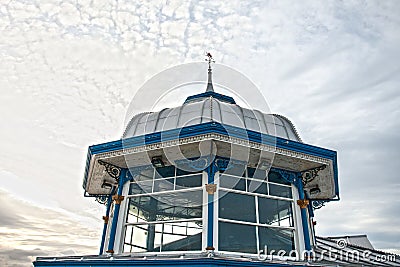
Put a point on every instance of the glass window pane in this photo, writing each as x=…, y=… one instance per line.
x=179, y=236
x=168, y=171
x=276, y=239
x=275, y=212
x=256, y=173
x=128, y=239
x=232, y=182
x=189, y=181
x=180, y=172
x=235, y=169
x=145, y=186
x=257, y=187
x=182, y=236
x=280, y=191
x=127, y=248
x=158, y=238
x=136, y=189
x=184, y=199
x=163, y=185
x=237, y=207
x=145, y=175
x=237, y=237
x=171, y=206
x=139, y=238
x=276, y=178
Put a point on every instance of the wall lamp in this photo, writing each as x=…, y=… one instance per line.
x=157, y=162
x=315, y=190
x=107, y=185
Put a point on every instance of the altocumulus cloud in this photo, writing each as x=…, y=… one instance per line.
x=68, y=70
x=28, y=230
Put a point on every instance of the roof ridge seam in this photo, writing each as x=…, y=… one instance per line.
x=291, y=125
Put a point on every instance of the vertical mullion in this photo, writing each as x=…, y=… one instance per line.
x=162, y=236
x=258, y=222
x=131, y=238
x=278, y=213
x=154, y=177
x=175, y=171
x=245, y=179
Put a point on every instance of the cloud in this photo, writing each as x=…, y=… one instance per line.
x=68, y=71
x=29, y=231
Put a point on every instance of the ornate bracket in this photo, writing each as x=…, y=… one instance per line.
x=317, y=204
x=105, y=218
x=112, y=170
x=102, y=199
x=303, y=203
x=118, y=199
x=309, y=175
x=211, y=188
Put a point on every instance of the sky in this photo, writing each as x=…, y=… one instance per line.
x=69, y=69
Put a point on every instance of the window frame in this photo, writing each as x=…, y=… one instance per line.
x=295, y=228
x=155, y=178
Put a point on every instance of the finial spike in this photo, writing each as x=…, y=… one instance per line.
x=210, y=60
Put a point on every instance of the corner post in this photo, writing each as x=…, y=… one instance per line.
x=105, y=218
x=303, y=203
x=118, y=198
x=211, y=188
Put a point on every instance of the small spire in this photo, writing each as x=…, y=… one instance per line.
x=210, y=60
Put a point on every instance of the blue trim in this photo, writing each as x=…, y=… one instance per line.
x=211, y=170
x=310, y=210
x=89, y=156
x=214, y=127
x=204, y=262
x=304, y=217
x=122, y=180
x=103, y=236
x=221, y=97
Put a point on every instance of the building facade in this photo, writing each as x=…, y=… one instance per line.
x=208, y=183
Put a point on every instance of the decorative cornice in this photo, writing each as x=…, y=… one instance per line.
x=211, y=131
x=215, y=137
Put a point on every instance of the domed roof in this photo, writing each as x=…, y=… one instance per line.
x=211, y=107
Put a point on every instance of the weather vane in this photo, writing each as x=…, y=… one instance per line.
x=209, y=59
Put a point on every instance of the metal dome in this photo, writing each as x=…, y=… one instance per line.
x=211, y=107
